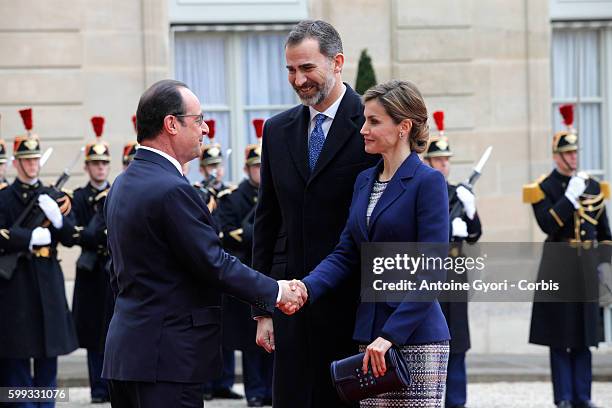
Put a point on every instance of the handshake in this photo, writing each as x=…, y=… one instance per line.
x=293, y=296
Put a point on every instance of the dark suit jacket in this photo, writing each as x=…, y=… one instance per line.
x=168, y=273
x=298, y=221
x=413, y=208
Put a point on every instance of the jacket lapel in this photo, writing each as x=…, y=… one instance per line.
x=395, y=188
x=296, y=131
x=342, y=128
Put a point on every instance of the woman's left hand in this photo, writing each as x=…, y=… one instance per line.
x=375, y=354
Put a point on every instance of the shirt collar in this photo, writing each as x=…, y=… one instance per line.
x=332, y=110
x=166, y=156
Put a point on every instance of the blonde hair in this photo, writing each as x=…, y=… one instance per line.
x=402, y=100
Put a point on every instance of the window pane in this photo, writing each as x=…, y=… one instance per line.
x=200, y=62
x=263, y=70
x=576, y=62
x=576, y=65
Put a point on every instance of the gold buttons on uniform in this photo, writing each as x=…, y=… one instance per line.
x=582, y=232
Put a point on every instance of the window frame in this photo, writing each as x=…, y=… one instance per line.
x=236, y=107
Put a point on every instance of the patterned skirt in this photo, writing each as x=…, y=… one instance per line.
x=427, y=364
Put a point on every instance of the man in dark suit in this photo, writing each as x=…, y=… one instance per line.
x=168, y=266
x=311, y=155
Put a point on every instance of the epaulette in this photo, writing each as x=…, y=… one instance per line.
x=3, y=185
x=227, y=191
x=532, y=193
x=603, y=185
x=68, y=192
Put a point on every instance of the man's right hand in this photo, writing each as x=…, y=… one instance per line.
x=265, y=334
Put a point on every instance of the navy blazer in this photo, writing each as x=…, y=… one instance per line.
x=168, y=271
x=413, y=208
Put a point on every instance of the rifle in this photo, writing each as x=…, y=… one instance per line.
x=469, y=183
x=32, y=216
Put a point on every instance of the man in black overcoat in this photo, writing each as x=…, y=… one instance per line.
x=311, y=156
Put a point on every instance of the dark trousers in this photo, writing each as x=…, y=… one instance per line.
x=135, y=394
x=17, y=372
x=227, y=376
x=98, y=385
x=456, y=381
x=257, y=372
x=571, y=374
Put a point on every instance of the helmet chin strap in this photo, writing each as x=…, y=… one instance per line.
x=572, y=169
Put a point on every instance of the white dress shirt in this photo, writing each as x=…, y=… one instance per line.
x=171, y=159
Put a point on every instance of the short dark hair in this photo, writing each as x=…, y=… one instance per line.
x=329, y=40
x=161, y=99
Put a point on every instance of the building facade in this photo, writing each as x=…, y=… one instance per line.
x=498, y=68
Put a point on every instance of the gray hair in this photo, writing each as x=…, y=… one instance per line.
x=328, y=38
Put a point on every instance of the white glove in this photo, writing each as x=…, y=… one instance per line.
x=40, y=236
x=459, y=228
x=574, y=190
x=51, y=210
x=468, y=200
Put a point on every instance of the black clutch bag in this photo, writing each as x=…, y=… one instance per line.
x=353, y=385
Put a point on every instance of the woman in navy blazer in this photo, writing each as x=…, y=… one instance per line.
x=399, y=200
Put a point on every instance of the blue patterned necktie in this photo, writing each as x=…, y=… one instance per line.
x=317, y=138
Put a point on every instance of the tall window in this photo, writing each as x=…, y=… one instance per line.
x=239, y=74
x=577, y=79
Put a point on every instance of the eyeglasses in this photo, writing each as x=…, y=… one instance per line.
x=198, y=121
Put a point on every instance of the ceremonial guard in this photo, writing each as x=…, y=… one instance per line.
x=35, y=322
x=465, y=227
x=569, y=207
x=235, y=215
x=129, y=149
x=92, y=302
